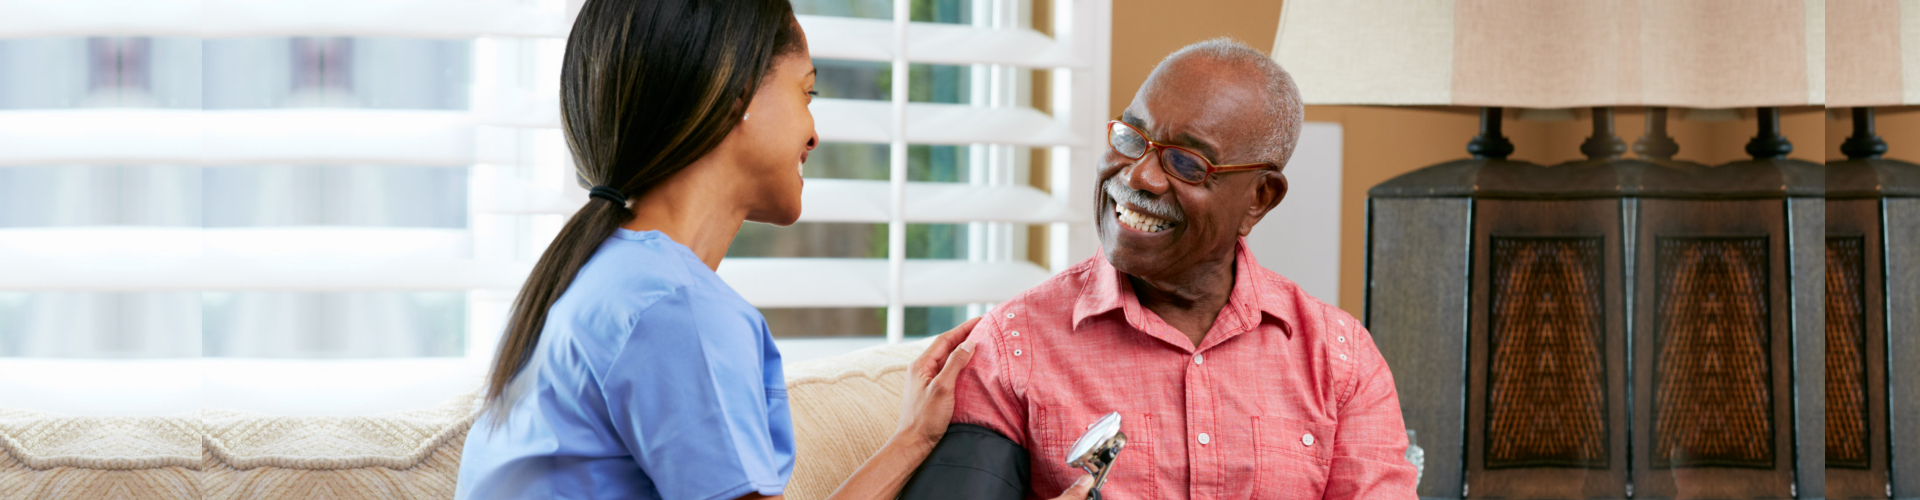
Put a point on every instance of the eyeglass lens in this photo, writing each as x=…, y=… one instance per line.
x=1126, y=141
x=1177, y=162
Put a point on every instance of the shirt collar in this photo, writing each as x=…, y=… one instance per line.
x=1252, y=295
x=1103, y=290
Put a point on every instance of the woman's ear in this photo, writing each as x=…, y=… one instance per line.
x=1266, y=194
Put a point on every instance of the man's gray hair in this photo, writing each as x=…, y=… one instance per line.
x=1281, y=128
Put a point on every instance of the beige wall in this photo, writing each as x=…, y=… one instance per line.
x=1899, y=126
x=1383, y=142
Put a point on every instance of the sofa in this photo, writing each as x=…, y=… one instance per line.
x=844, y=407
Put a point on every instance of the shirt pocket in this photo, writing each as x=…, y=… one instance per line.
x=1133, y=470
x=1291, y=457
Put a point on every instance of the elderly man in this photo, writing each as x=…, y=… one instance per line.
x=1230, y=381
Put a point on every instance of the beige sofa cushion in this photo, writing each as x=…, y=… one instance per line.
x=401, y=455
x=47, y=456
x=844, y=408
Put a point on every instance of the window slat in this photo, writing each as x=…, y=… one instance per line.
x=412, y=137
x=310, y=258
x=206, y=273
x=239, y=18
x=772, y=282
x=842, y=200
x=937, y=43
x=829, y=37
x=280, y=258
x=847, y=120
x=252, y=137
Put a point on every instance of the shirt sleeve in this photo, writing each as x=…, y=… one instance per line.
x=984, y=394
x=1369, y=451
x=688, y=400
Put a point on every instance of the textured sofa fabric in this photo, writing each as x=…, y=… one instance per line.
x=403, y=455
x=844, y=408
x=58, y=457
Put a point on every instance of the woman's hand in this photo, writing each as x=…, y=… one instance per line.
x=928, y=405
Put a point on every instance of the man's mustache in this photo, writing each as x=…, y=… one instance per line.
x=1155, y=206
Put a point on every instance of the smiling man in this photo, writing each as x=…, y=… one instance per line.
x=1230, y=381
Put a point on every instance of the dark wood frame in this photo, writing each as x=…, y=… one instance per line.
x=1861, y=217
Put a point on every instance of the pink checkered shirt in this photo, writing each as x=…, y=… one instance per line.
x=1285, y=398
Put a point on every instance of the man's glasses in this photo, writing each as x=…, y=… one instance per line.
x=1178, y=162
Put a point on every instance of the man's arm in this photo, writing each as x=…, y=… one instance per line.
x=1369, y=453
x=983, y=455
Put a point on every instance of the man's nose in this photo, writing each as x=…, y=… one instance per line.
x=1146, y=175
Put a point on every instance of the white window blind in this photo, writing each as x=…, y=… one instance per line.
x=1023, y=133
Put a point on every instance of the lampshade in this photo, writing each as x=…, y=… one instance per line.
x=1560, y=54
x=1874, y=59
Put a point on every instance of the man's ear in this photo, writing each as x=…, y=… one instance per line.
x=1266, y=195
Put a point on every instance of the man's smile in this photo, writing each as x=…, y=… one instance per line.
x=1139, y=221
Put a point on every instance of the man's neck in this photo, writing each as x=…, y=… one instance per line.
x=1189, y=302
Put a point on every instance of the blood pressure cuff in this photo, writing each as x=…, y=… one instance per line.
x=971, y=463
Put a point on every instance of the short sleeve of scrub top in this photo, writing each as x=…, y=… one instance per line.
x=652, y=379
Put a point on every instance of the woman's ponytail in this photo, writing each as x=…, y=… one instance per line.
x=646, y=88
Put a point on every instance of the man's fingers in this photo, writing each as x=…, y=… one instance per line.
x=1079, y=489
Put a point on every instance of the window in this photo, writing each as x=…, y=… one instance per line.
x=303, y=186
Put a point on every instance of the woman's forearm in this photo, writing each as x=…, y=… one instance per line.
x=886, y=472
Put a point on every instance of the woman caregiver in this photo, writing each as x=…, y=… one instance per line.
x=628, y=369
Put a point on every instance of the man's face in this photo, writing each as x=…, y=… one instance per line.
x=1154, y=226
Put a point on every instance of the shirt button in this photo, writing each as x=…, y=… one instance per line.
x=1009, y=315
x=1342, y=322
x=1199, y=359
x=1343, y=357
x=1016, y=352
x=1343, y=338
x=1306, y=439
x=1204, y=438
x=1016, y=334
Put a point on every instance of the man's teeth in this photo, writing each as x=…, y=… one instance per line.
x=1140, y=221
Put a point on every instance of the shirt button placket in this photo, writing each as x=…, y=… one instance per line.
x=1204, y=467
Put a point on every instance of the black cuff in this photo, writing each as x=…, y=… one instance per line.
x=971, y=463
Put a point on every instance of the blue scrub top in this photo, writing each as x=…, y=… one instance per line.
x=652, y=379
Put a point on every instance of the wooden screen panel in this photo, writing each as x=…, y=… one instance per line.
x=1846, y=379
x=1713, y=381
x=1559, y=317
x=1546, y=397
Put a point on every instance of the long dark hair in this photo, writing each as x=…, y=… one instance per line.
x=646, y=88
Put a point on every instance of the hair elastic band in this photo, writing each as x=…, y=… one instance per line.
x=607, y=193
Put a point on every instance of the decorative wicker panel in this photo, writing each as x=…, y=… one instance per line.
x=1846, y=355
x=1713, y=382
x=1546, y=398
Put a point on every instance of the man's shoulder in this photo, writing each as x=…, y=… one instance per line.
x=1055, y=296
x=1304, y=313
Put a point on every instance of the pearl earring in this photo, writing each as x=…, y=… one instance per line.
x=744, y=118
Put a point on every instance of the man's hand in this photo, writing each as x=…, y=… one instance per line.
x=928, y=405
x=1079, y=489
